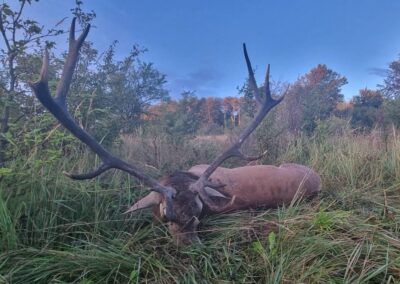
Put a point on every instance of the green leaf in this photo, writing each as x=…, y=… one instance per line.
x=257, y=247
x=5, y=171
x=272, y=244
x=7, y=11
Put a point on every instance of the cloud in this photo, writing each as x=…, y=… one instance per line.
x=381, y=72
x=204, y=81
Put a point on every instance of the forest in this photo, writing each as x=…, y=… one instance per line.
x=56, y=230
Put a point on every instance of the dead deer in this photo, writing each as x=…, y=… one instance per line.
x=182, y=197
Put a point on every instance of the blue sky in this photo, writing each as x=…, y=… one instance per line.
x=197, y=44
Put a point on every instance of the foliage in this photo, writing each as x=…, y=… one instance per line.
x=366, y=109
x=391, y=91
x=314, y=97
x=186, y=119
x=107, y=96
x=391, y=87
x=392, y=111
x=211, y=111
x=128, y=87
x=18, y=35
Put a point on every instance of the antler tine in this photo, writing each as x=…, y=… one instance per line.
x=93, y=174
x=251, y=158
x=252, y=79
x=44, y=72
x=234, y=149
x=266, y=85
x=69, y=66
x=57, y=106
x=72, y=31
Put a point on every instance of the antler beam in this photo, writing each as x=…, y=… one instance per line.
x=58, y=107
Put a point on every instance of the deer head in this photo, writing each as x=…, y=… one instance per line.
x=182, y=196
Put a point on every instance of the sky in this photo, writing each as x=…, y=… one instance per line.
x=198, y=44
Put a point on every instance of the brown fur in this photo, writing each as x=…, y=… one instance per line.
x=264, y=185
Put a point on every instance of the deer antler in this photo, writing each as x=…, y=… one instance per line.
x=58, y=107
x=265, y=104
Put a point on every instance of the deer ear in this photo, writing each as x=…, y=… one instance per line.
x=151, y=199
x=215, y=193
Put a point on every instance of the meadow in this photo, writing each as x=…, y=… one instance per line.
x=55, y=230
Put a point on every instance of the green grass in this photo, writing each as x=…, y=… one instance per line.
x=54, y=230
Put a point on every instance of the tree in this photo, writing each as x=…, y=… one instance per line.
x=293, y=108
x=316, y=95
x=128, y=87
x=107, y=96
x=186, y=120
x=231, y=110
x=366, y=109
x=211, y=111
x=391, y=86
x=18, y=35
x=391, y=92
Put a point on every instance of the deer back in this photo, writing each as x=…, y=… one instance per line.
x=264, y=185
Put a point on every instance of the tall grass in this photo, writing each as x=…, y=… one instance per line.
x=54, y=230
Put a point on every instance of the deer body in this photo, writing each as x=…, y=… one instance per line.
x=263, y=185
x=244, y=188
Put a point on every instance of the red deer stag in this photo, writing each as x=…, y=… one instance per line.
x=184, y=196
